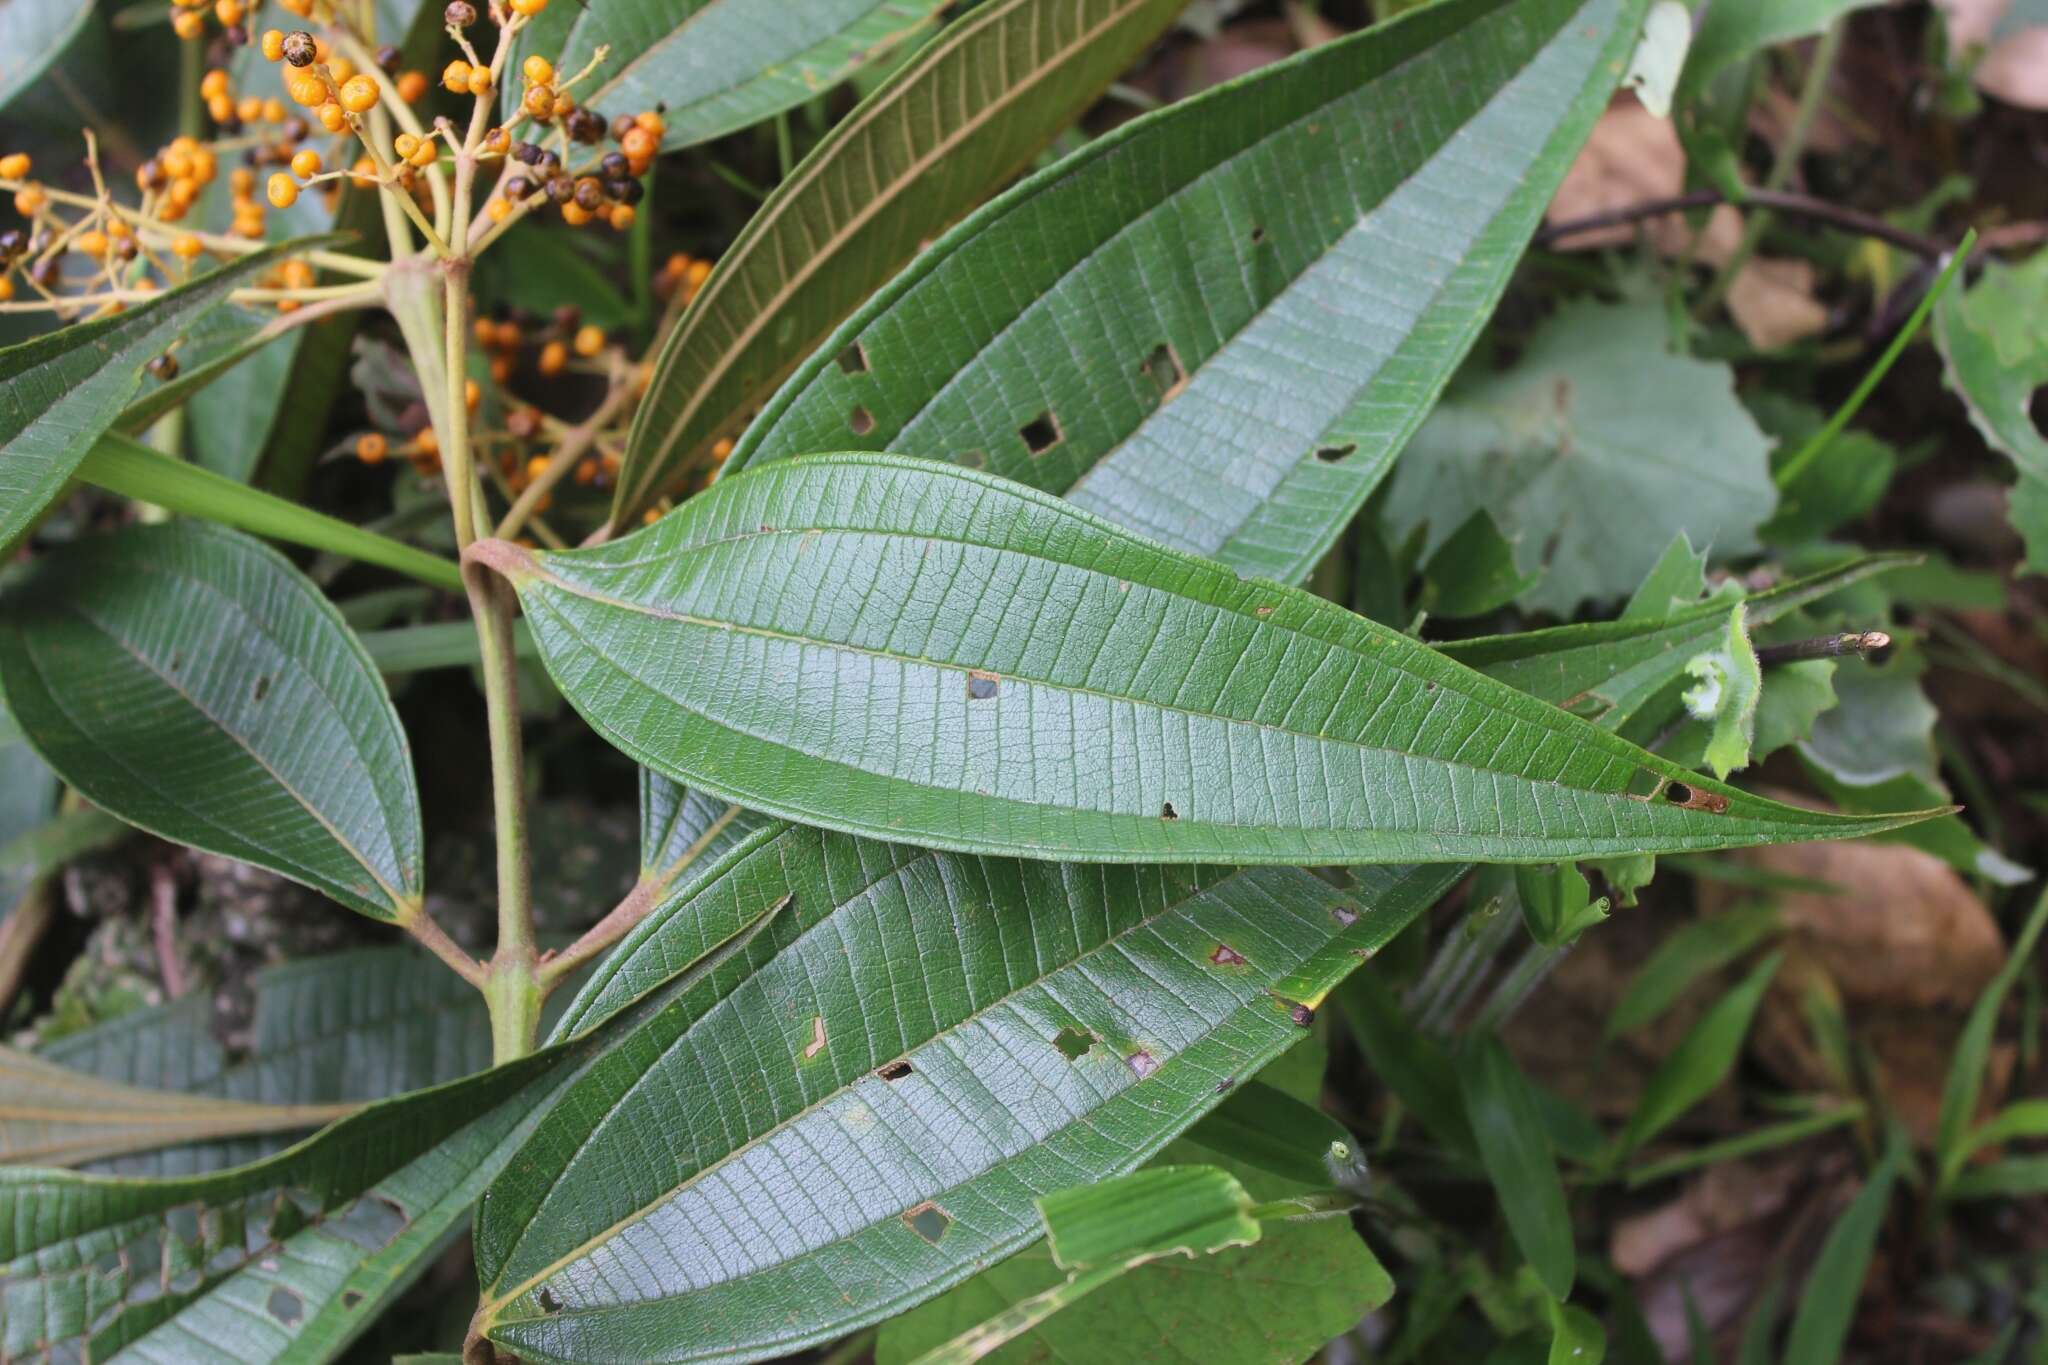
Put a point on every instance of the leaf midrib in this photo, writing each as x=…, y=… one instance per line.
x=1548, y=718
x=1171, y=906
x=822, y=256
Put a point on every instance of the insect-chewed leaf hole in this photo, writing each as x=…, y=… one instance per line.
x=1343, y=914
x=1041, y=433
x=972, y=459
x=1258, y=236
x=1692, y=798
x=549, y=1303
x=854, y=359
x=1142, y=1063
x=285, y=1305
x=350, y=1298
x=1164, y=369
x=1167, y=812
x=1074, y=1043
x=1226, y=956
x=860, y=421
x=894, y=1071
x=982, y=686
x=928, y=1221
x=1336, y=454
x=262, y=686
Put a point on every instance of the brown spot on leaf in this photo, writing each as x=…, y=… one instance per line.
x=1336, y=454
x=860, y=421
x=1689, y=797
x=1344, y=915
x=982, y=686
x=549, y=1303
x=1142, y=1063
x=1301, y=1014
x=285, y=1305
x=928, y=1221
x=894, y=1071
x=1167, y=812
x=817, y=1043
x=262, y=686
x=1226, y=956
x=853, y=360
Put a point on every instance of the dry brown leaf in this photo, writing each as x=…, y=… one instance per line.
x=1970, y=21
x=1906, y=931
x=1772, y=302
x=1632, y=155
x=2016, y=69
x=1723, y=1198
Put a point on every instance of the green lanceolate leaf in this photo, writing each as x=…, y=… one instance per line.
x=911, y=650
x=1159, y=1211
x=1827, y=1306
x=1218, y=324
x=1996, y=347
x=59, y=392
x=826, y=1111
x=1516, y=1153
x=1702, y=1059
x=1609, y=671
x=720, y=65
x=957, y=121
x=289, y=1258
x=189, y=680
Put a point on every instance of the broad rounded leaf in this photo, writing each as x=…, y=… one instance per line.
x=191, y=681
x=911, y=650
x=862, y=1106
x=720, y=65
x=962, y=117
x=1996, y=348
x=59, y=392
x=1220, y=323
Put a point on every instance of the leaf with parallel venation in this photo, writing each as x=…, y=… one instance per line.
x=342, y=1028
x=59, y=392
x=910, y=650
x=862, y=1108
x=189, y=680
x=291, y=1257
x=960, y=118
x=719, y=65
x=1220, y=323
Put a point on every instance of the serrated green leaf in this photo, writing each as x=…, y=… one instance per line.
x=1996, y=349
x=1674, y=585
x=875, y=644
x=34, y=33
x=59, y=392
x=1082, y=1015
x=1727, y=685
x=1219, y=324
x=721, y=65
x=1515, y=1150
x=964, y=115
x=1557, y=903
x=189, y=680
x=1591, y=452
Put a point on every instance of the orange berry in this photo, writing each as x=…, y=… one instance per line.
x=282, y=190
x=188, y=25
x=497, y=142
x=296, y=274
x=182, y=192
x=455, y=76
x=639, y=143
x=536, y=467
x=404, y=145
x=93, y=244
x=371, y=447
x=221, y=109
x=501, y=369
x=215, y=82
x=229, y=12
x=6, y=288
x=589, y=339
x=359, y=94
x=427, y=442
x=539, y=101
x=412, y=86
x=302, y=8
x=621, y=216
x=306, y=89
x=721, y=448
x=472, y=394
x=339, y=69
x=574, y=214
x=205, y=165
x=331, y=118
x=249, y=109
x=528, y=8
x=479, y=81
x=650, y=516
x=186, y=247
x=273, y=110
x=651, y=121
x=498, y=210
x=554, y=357
x=537, y=69
x=28, y=199
x=306, y=163
x=424, y=154
x=272, y=45
x=363, y=174
x=506, y=336
x=15, y=166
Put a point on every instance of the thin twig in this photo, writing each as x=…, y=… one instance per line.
x=1868, y=644
x=1788, y=202
x=163, y=921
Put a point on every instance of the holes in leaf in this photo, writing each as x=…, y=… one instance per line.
x=1344, y=915
x=853, y=360
x=177, y=661
x=262, y=686
x=1142, y=1063
x=549, y=1302
x=285, y=1306
x=928, y=1221
x=817, y=1043
x=1167, y=812
x=1041, y=433
x=982, y=686
x=1074, y=1043
x=350, y=1298
x=2037, y=409
x=1223, y=1086
x=1692, y=798
x=1226, y=956
x=1336, y=454
x=894, y=1071
x=1164, y=369
x=1258, y=236
x=861, y=421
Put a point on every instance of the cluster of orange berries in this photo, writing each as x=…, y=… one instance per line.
x=188, y=17
x=106, y=238
x=680, y=277
x=608, y=190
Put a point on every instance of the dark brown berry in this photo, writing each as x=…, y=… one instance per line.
x=623, y=191
x=549, y=165
x=299, y=49
x=459, y=14
x=164, y=367
x=567, y=318
x=12, y=243
x=294, y=129
x=589, y=193
x=389, y=59
x=517, y=188
x=584, y=126
x=151, y=175
x=561, y=189
x=622, y=125
x=526, y=153
x=47, y=272
x=522, y=423
x=236, y=35
x=615, y=166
